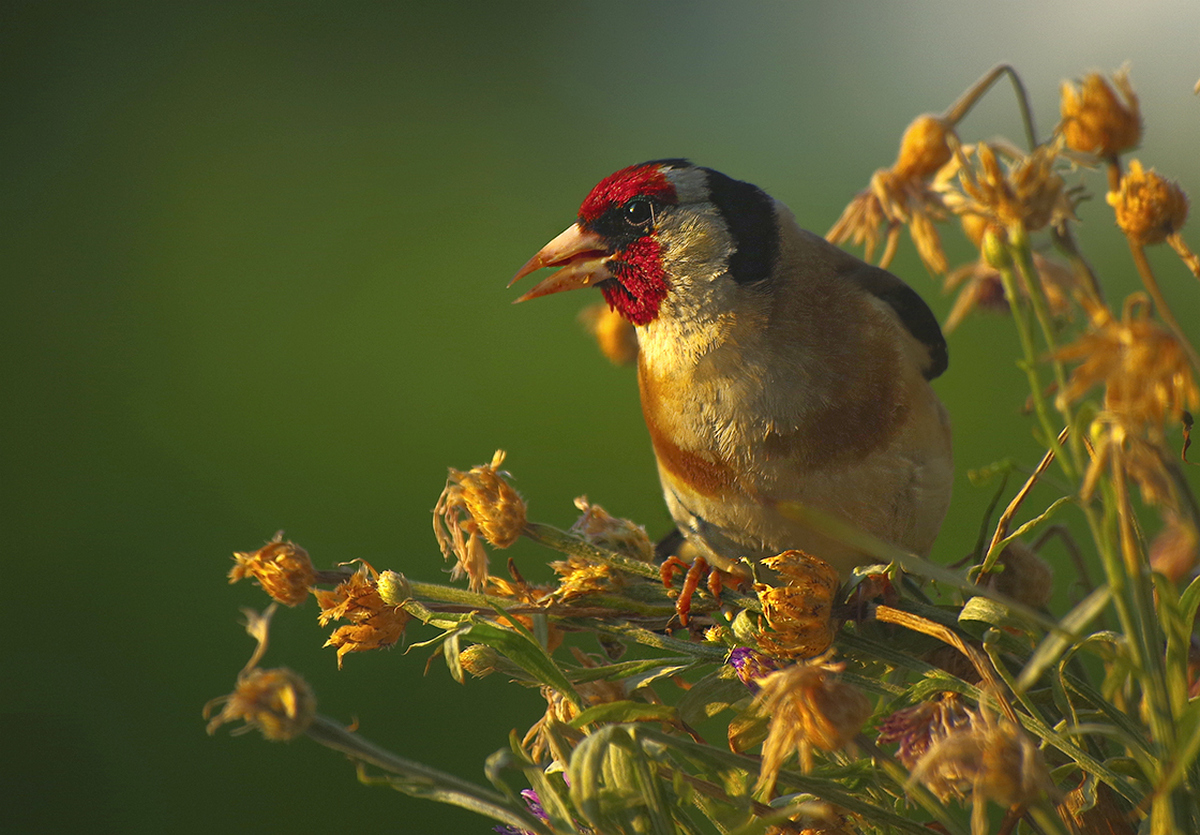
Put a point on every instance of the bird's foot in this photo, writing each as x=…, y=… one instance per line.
x=697, y=571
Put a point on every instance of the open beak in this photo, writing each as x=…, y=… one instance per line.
x=582, y=257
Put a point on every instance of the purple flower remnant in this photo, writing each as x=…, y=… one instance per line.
x=751, y=665
x=535, y=806
x=920, y=727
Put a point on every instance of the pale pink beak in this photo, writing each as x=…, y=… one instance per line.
x=582, y=255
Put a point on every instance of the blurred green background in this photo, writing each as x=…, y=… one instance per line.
x=254, y=263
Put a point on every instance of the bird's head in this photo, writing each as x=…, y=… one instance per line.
x=662, y=235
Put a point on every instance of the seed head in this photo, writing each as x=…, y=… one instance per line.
x=278, y=702
x=1148, y=207
x=373, y=624
x=799, y=613
x=1096, y=120
x=613, y=332
x=809, y=707
x=474, y=504
x=924, y=148
x=282, y=569
x=1145, y=371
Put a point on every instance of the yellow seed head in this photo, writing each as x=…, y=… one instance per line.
x=798, y=613
x=809, y=707
x=923, y=148
x=278, y=702
x=282, y=569
x=474, y=504
x=1148, y=207
x=1096, y=120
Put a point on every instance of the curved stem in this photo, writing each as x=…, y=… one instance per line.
x=421, y=780
x=1160, y=302
x=967, y=100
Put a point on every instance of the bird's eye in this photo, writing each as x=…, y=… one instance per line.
x=639, y=212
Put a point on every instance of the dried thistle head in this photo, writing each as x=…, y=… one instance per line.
x=900, y=196
x=1026, y=191
x=282, y=569
x=983, y=289
x=1175, y=549
x=582, y=577
x=373, y=624
x=809, y=707
x=1096, y=120
x=924, y=148
x=1144, y=370
x=474, y=504
x=599, y=527
x=920, y=727
x=551, y=737
x=1148, y=207
x=799, y=613
x=613, y=333
x=276, y=702
x=987, y=759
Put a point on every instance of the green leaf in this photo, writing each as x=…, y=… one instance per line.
x=709, y=696
x=615, y=783
x=625, y=711
x=1056, y=643
x=523, y=650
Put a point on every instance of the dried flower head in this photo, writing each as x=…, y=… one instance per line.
x=988, y=759
x=924, y=148
x=477, y=503
x=599, y=527
x=1144, y=369
x=582, y=577
x=800, y=612
x=1026, y=191
x=982, y=288
x=809, y=707
x=1141, y=462
x=900, y=196
x=1148, y=207
x=920, y=727
x=282, y=569
x=551, y=737
x=277, y=702
x=1096, y=120
x=373, y=624
x=613, y=333
x=1176, y=548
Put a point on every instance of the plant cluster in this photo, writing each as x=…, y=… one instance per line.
x=915, y=698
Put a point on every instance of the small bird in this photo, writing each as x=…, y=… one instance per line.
x=772, y=365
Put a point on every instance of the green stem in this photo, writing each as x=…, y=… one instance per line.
x=1023, y=258
x=1029, y=363
x=421, y=780
x=562, y=541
